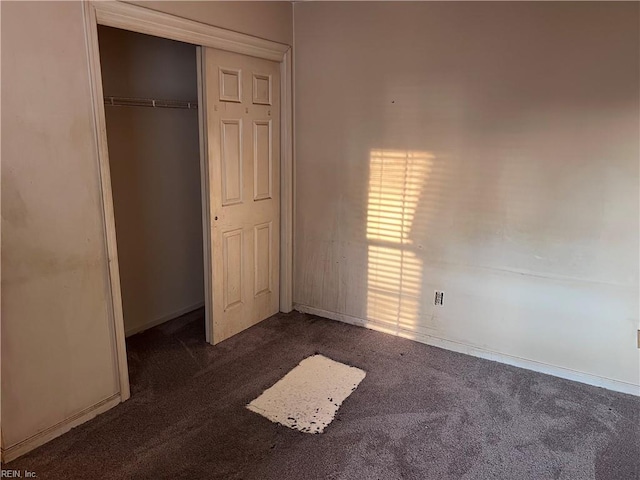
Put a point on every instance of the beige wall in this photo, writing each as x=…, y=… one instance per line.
x=56, y=341
x=56, y=337
x=154, y=156
x=519, y=198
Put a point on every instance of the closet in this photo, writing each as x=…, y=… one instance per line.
x=150, y=93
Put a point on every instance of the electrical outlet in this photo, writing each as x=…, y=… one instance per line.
x=439, y=298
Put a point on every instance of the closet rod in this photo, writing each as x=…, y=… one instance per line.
x=148, y=102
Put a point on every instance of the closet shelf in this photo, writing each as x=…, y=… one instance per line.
x=149, y=102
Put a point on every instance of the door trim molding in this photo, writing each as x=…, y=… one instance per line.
x=143, y=20
x=100, y=126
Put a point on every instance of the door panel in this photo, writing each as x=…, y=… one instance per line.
x=243, y=120
x=262, y=254
x=231, y=158
x=262, y=89
x=262, y=160
x=232, y=267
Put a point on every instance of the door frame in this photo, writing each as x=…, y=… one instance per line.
x=150, y=22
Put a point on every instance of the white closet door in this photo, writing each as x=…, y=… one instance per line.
x=243, y=133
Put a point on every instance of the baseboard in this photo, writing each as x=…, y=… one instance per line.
x=562, y=372
x=25, y=446
x=165, y=318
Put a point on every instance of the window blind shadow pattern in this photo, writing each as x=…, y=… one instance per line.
x=397, y=181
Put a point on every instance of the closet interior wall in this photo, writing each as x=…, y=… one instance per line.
x=155, y=173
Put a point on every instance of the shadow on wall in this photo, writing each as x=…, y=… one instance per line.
x=395, y=218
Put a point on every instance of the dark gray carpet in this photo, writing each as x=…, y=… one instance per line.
x=420, y=413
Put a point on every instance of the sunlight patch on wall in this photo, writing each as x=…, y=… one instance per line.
x=394, y=280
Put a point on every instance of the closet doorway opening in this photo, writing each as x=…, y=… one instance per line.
x=150, y=89
x=244, y=88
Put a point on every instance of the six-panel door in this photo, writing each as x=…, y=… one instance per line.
x=243, y=125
